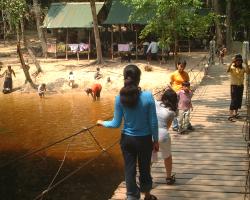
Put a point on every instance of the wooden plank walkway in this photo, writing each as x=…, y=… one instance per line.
x=211, y=162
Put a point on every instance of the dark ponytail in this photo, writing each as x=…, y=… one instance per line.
x=169, y=99
x=130, y=93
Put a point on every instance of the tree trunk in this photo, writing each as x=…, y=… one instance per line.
x=4, y=26
x=208, y=3
x=219, y=39
x=40, y=32
x=32, y=55
x=17, y=33
x=22, y=29
x=24, y=67
x=229, y=26
x=96, y=32
x=175, y=52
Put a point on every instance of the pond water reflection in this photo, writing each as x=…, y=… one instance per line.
x=28, y=123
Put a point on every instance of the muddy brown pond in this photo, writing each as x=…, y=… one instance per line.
x=28, y=123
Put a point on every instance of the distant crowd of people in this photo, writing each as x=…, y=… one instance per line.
x=94, y=90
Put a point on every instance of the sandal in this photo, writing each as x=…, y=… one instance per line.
x=171, y=180
x=237, y=116
x=231, y=119
x=151, y=197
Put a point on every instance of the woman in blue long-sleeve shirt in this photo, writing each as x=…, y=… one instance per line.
x=139, y=134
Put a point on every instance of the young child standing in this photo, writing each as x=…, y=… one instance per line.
x=71, y=79
x=98, y=74
x=222, y=53
x=184, y=106
x=41, y=90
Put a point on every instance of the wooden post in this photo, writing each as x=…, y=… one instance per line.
x=66, y=45
x=56, y=49
x=77, y=54
x=189, y=47
x=46, y=37
x=89, y=45
x=136, y=48
x=112, y=47
x=4, y=27
x=56, y=44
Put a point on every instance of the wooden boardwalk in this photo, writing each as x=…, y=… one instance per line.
x=211, y=162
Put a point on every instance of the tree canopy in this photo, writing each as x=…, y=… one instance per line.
x=171, y=19
x=14, y=10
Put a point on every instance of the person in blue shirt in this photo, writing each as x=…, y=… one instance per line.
x=139, y=134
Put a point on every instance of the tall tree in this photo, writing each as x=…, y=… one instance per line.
x=229, y=25
x=172, y=20
x=218, y=30
x=16, y=10
x=24, y=66
x=96, y=32
x=32, y=55
x=37, y=11
x=240, y=19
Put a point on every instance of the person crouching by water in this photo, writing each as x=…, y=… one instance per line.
x=139, y=134
x=237, y=72
x=8, y=86
x=94, y=91
x=41, y=90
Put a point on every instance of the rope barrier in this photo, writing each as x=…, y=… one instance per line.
x=75, y=171
x=47, y=146
x=246, y=134
x=70, y=136
x=59, y=169
x=103, y=150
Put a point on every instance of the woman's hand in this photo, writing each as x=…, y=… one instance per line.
x=99, y=122
x=155, y=146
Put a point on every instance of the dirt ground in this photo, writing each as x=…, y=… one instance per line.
x=55, y=72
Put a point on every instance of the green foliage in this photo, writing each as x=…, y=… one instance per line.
x=15, y=9
x=241, y=14
x=171, y=19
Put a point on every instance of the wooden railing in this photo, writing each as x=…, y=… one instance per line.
x=246, y=132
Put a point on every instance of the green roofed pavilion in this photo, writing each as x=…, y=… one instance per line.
x=70, y=15
x=120, y=14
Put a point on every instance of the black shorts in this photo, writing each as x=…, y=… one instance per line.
x=98, y=93
x=236, y=96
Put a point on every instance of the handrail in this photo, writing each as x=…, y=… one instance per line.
x=79, y=132
x=84, y=130
x=246, y=132
x=103, y=150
